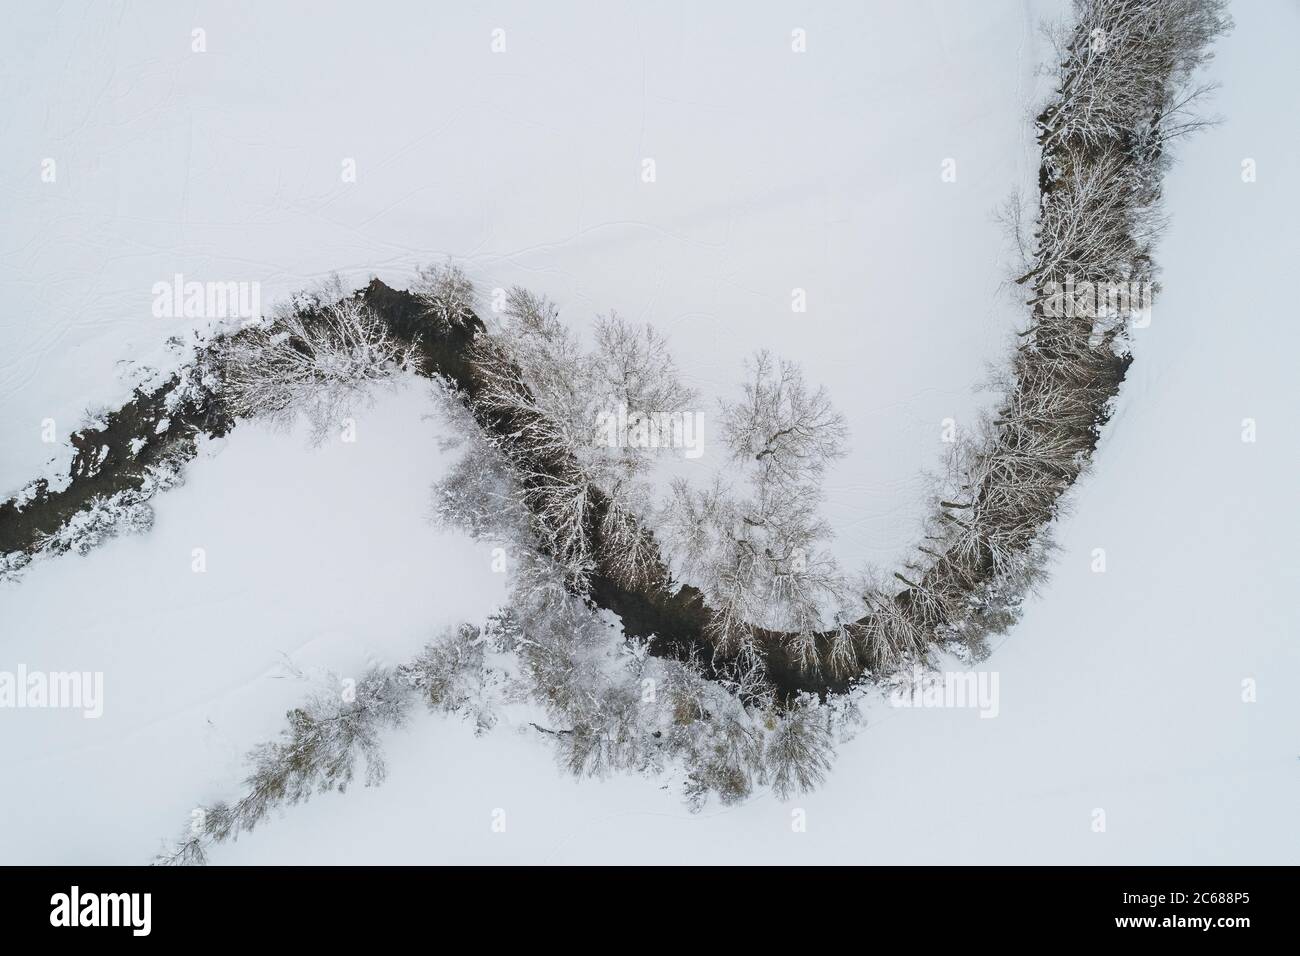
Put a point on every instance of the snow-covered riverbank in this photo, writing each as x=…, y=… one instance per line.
x=1122, y=691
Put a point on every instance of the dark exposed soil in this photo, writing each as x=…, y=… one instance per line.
x=119, y=469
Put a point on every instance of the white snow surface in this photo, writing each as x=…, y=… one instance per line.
x=1119, y=691
x=774, y=171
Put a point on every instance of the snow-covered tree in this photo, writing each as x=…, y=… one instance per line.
x=330, y=733
x=568, y=413
x=447, y=293
x=323, y=358
x=1118, y=62
x=757, y=549
x=798, y=749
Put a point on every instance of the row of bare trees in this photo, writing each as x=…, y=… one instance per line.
x=1124, y=92
x=549, y=401
x=540, y=469
x=1125, y=69
x=613, y=707
x=753, y=540
x=616, y=708
x=336, y=731
x=754, y=543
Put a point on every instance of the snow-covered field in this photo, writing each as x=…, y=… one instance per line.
x=1120, y=691
x=774, y=171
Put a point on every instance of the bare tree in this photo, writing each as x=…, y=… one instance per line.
x=758, y=554
x=629, y=551
x=323, y=360
x=792, y=432
x=799, y=750
x=1118, y=62
x=447, y=293
x=1086, y=230
x=566, y=412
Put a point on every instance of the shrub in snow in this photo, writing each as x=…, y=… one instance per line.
x=103, y=518
x=126, y=512
x=12, y=564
